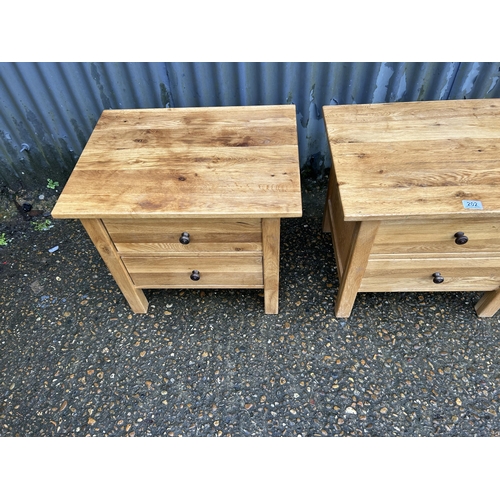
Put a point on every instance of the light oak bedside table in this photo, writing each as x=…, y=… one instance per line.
x=188, y=197
x=413, y=202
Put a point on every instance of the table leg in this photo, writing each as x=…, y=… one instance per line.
x=332, y=188
x=100, y=237
x=361, y=244
x=488, y=304
x=271, y=263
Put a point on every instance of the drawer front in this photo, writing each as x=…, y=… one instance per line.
x=239, y=271
x=435, y=237
x=162, y=236
x=459, y=274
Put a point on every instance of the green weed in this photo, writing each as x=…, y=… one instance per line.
x=52, y=184
x=42, y=225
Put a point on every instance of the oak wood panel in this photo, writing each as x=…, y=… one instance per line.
x=203, y=162
x=488, y=304
x=169, y=230
x=160, y=237
x=394, y=274
x=416, y=160
x=271, y=263
x=432, y=203
x=99, y=236
x=422, y=284
x=259, y=116
x=181, y=157
x=362, y=239
x=193, y=249
x=333, y=220
x=215, y=272
x=413, y=237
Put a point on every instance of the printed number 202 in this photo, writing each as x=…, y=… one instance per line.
x=472, y=204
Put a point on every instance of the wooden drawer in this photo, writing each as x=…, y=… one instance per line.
x=460, y=274
x=161, y=236
x=436, y=237
x=239, y=271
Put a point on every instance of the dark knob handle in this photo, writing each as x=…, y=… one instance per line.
x=460, y=238
x=437, y=278
x=184, y=239
x=195, y=275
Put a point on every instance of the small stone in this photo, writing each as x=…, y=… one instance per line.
x=458, y=401
x=36, y=287
x=351, y=411
x=63, y=406
x=282, y=380
x=383, y=410
x=91, y=421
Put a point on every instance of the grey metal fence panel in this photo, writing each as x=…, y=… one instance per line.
x=48, y=110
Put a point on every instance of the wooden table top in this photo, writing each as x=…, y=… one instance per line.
x=423, y=159
x=187, y=162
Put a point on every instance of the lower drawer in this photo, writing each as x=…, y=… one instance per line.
x=213, y=272
x=459, y=274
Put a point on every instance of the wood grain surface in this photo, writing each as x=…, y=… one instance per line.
x=187, y=162
x=416, y=159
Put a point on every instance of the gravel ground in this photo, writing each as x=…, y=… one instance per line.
x=74, y=360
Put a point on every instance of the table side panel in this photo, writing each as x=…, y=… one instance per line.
x=342, y=231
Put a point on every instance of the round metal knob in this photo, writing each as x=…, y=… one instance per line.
x=195, y=275
x=184, y=239
x=437, y=278
x=460, y=238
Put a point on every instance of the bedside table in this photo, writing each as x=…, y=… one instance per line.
x=413, y=202
x=188, y=197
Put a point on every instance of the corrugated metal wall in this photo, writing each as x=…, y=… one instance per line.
x=48, y=110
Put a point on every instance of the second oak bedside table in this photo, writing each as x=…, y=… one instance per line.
x=188, y=197
x=413, y=201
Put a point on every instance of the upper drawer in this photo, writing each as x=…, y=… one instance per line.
x=161, y=236
x=436, y=237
